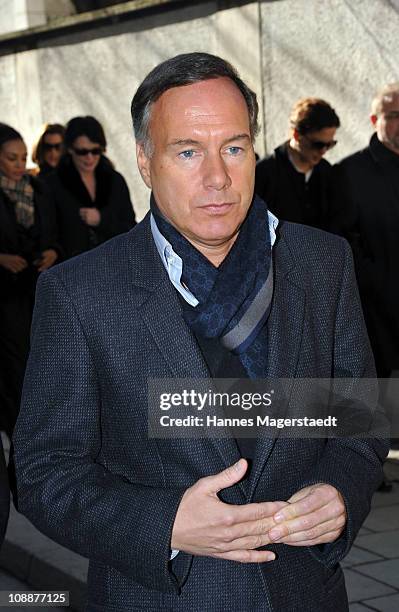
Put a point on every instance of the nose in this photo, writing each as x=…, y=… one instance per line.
x=215, y=172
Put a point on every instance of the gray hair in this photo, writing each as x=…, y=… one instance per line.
x=184, y=69
x=386, y=94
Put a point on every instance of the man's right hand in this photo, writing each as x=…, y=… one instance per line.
x=204, y=525
x=13, y=263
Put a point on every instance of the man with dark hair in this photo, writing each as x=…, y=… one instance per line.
x=203, y=287
x=295, y=181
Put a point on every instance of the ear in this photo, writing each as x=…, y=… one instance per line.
x=373, y=119
x=295, y=134
x=144, y=164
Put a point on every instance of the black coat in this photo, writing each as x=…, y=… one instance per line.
x=43, y=236
x=372, y=182
x=17, y=293
x=318, y=202
x=70, y=194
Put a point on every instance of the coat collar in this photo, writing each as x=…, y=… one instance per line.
x=70, y=179
x=380, y=153
x=284, y=338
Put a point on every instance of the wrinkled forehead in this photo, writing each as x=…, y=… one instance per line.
x=209, y=103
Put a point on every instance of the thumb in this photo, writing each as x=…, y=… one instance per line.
x=227, y=477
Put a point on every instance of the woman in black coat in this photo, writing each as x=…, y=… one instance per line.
x=48, y=149
x=91, y=199
x=28, y=245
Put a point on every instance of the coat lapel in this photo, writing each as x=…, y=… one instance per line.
x=160, y=310
x=285, y=329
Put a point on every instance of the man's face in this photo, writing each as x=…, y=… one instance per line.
x=387, y=124
x=203, y=164
x=310, y=145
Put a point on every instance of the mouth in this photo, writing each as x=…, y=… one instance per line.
x=215, y=208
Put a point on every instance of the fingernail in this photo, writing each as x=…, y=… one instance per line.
x=271, y=556
x=278, y=517
x=275, y=534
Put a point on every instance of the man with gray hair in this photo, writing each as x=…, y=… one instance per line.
x=372, y=179
x=208, y=285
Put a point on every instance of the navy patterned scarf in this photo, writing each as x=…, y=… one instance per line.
x=235, y=298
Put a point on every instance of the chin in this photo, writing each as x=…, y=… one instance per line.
x=216, y=236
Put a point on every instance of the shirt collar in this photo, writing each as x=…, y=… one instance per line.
x=173, y=264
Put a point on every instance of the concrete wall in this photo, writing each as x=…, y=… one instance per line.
x=341, y=50
x=21, y=14
x=338, y=49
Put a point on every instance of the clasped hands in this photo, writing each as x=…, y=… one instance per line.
x=204, y=525
x=17, y=263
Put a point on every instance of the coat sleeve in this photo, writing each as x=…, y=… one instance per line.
x=352, y=465
x=62, y=487
x=45, y=202
x=118, y=216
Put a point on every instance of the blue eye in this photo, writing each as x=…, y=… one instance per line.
x=187, y=154
x=234, y=150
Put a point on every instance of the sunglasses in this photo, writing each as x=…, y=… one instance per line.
x=84, y=152
x=319, y=145
x=47, y=146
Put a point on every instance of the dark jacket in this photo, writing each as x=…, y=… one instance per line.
x=318, y=202
x=69, y=195
x=372, y=181
x=43, y=235
x=92, y=478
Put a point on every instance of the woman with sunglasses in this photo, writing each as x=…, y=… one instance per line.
x=28, y=246
x=295, y=181
x=49, y=148
x=91, y=199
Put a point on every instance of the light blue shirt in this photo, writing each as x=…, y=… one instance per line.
x=174, y=265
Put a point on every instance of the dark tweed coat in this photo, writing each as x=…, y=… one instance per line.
x=90, y=478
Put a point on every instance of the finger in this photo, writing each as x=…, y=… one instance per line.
x=248, y=542
x=332, y=511
x=228, y=477
x=312, y=533
x=251, y=520
x=327, y=538
x=247, y=556
x=316, y=498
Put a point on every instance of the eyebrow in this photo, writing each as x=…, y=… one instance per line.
x=190, y=142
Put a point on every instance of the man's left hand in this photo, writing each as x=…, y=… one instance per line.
x=315, y=515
